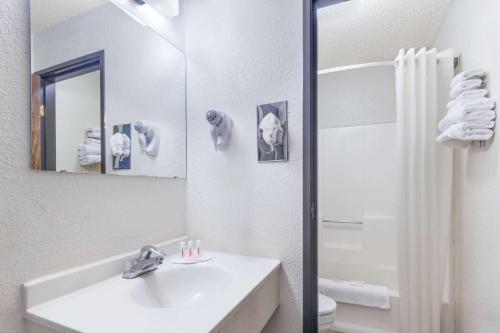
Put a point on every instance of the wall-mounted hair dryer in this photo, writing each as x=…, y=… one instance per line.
x=149, y=137
x=220, y=128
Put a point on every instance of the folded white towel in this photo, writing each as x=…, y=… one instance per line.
x=356, y=293
x=467, y=111
x=466, y=132
x=94, y=135
x=480, y=116
x=467, y=75
x=90, y=160
x=89, y=149
x=93, y=129
x=466, y=95
x=93, y=132
x=92, y=141
x=465, y=86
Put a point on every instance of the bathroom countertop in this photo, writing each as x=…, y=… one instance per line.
x=112, y=305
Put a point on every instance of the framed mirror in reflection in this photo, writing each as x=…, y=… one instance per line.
x=108, y=92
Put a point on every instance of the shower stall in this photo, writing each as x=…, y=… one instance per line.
x=357, y=164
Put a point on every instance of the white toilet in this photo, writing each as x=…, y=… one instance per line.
x=326, y=313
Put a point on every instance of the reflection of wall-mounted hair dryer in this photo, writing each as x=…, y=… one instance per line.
x=220, y=128
x=149, y=137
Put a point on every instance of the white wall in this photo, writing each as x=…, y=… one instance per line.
x=472, y=28
x=49, y=221
x=242, y=53
x=78, y=105
x=145, y=79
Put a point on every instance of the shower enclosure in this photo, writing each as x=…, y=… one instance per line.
x=357, y=164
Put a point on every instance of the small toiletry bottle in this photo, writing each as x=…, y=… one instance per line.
x=190, y=248
x=197, y=248
x=182, y=249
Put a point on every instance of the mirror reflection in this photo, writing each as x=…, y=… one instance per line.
x=108, y=91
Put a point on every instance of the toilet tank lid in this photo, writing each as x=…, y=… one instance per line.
x=326, y=305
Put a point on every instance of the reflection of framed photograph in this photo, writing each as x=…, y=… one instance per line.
x=122, y=162
x=272, y=132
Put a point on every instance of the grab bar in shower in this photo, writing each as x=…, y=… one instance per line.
x=343, y=221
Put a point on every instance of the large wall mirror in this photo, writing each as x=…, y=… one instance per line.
x=108, y=93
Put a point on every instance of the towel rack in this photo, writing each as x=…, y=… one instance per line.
x=343, y=221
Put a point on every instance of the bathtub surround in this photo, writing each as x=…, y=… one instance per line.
x=471, y=27
x=49, y=222
x=356, y=160
x=242, y=54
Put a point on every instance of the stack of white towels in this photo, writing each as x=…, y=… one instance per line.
x=89, y=153
x=471, y=114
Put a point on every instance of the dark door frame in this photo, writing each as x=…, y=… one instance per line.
x=69, y=69
x=310, y=227
x=310, y=165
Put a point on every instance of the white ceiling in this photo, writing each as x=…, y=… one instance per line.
x=47, y=13
x=361, y=31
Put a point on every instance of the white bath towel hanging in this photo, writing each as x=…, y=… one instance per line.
x=467, y=75
x=465, y=86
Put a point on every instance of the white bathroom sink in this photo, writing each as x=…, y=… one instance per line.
x=181, y=286
x=229, y=293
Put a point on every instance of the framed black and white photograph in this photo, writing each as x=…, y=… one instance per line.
x=272, y=132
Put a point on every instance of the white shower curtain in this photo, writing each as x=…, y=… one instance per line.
x=425, y=169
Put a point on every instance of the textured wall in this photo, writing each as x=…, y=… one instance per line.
x=472, y=28
x=49, y=222
x=242, y=53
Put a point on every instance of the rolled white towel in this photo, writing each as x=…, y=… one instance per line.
x=356, y=293
x=467, y=132
x=465, y=109
x=90, y=160
x=465, y=86
x=467, y=75
x=467, y=95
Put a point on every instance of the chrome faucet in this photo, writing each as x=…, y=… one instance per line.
x=148, y=260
